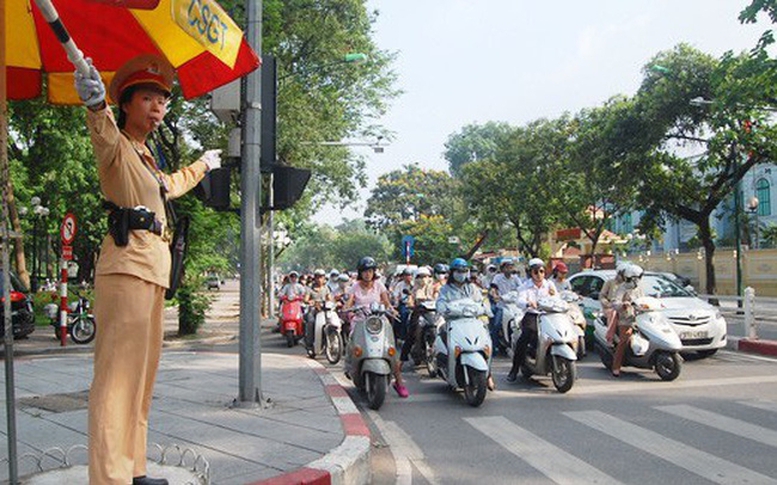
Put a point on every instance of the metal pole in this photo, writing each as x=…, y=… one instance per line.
x=271, y=256
x=34, y=279
x=10, y=397
x=738, y=239
x=250, y=366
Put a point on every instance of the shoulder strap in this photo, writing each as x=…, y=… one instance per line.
x=172, y=219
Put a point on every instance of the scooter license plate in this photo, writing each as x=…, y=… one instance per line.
x=693, y=334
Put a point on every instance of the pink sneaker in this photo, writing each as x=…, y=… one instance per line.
x=401, y=390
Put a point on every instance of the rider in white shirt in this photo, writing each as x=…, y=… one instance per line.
x=501, y=284
x=530, y=294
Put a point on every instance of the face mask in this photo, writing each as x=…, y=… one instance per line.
x=440, y=276
x=631, y=284
x=461, y=277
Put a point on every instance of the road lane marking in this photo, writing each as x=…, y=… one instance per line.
x=405, y=451
x=763, y=405
x=723, y=423
x=711, y=467
x=553, y=462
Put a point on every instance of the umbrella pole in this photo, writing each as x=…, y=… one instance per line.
x=5, y=233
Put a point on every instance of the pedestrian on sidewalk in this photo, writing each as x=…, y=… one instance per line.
x=133, y=270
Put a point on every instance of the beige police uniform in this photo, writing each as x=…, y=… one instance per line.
x=129, y=302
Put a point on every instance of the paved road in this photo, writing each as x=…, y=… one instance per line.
x=716, y=424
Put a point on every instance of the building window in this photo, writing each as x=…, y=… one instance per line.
x=763, y=192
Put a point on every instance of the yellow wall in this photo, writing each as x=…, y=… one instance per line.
x=759, y=269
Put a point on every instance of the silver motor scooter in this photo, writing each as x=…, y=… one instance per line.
x=371, y=354
x=463, y=350
x=326, y=334
x=555, y=350
x=654, y=343
x=430, y=322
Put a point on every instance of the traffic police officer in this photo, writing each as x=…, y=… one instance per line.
x=131, y=276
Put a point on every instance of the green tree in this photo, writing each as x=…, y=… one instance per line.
x=475, y=142
x=408, y=194
x=729, y=138
x=512, y=188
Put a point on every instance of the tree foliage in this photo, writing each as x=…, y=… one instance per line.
x=475, y=142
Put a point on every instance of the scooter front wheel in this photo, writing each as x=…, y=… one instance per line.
x=290, y=340
x=475, y=387
x=563, y=373
x=83, y=330
x=375, y=385
x=334, y=349
x=667, y=366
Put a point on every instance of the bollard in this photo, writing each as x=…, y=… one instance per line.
x=750, y=325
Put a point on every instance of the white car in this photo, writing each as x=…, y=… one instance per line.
x=701, y=327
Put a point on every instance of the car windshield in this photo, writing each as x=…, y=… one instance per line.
x=660, y=286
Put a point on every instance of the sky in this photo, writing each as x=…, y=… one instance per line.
x=473, y=61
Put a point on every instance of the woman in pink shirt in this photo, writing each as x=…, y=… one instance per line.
x=366, y=291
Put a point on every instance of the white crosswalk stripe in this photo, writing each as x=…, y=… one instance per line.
x=762, y=405
x=555, y=463
x=723, y=423
x=696, y=461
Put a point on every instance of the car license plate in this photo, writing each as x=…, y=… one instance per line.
x=693, y=334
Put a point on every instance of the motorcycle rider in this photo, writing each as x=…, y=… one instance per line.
x=488, y=276
x=440, y=276
x=623, y=304
x=366, y=291
x=502, y=283
x=459, y=287
x=315, y=298
x=291, y=289
x=400, y=295
x=607, y=297
x=333, y=283
x=422, y=291
x=559, y=277
x=530, y=294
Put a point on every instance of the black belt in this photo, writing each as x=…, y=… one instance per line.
x=121, y=220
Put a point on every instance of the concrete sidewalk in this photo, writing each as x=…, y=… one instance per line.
x=309, y=430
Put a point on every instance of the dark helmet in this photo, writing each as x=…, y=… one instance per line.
x=440, y=268
x=366, y=263
x=459, y=264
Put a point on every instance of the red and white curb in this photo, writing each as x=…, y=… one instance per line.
x=348, y=463
x=753, y=346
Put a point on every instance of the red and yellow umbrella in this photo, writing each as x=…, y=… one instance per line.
x=197, y=37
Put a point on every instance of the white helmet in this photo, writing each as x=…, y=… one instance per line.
x=423, y=271
x=536, y=262
x=621, y=267
x=632, y=271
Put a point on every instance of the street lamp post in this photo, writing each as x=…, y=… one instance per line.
x=38, y=212
x=752, y=207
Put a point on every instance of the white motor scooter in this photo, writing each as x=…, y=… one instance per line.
x=512, y=314
x=463, y=350
x=430, y=323
x=654, y=343
x=371, y=354
x=576, y=314
x=554, y=351
x=326, y=334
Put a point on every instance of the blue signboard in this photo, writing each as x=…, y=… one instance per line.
x=408, y=242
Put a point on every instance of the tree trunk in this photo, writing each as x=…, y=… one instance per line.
x=705, y=234
x=21, y=262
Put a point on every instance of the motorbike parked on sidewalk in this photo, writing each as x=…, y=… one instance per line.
x=429, y=322
x=554, y=351
x=81, y=325
x=326, y=334
x=463, y=350
x=292, y=325
x=371, y=354
x=653, y=345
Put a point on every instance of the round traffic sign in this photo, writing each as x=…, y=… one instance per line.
x=68, y=229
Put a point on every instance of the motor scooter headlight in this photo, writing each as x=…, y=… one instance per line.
x=374, y=325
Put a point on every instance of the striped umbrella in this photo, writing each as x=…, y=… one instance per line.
x=197, y=37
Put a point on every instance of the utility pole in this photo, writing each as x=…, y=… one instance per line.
x=250, y=366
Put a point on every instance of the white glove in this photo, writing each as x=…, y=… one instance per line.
x=212, y=159
x=90, y=88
